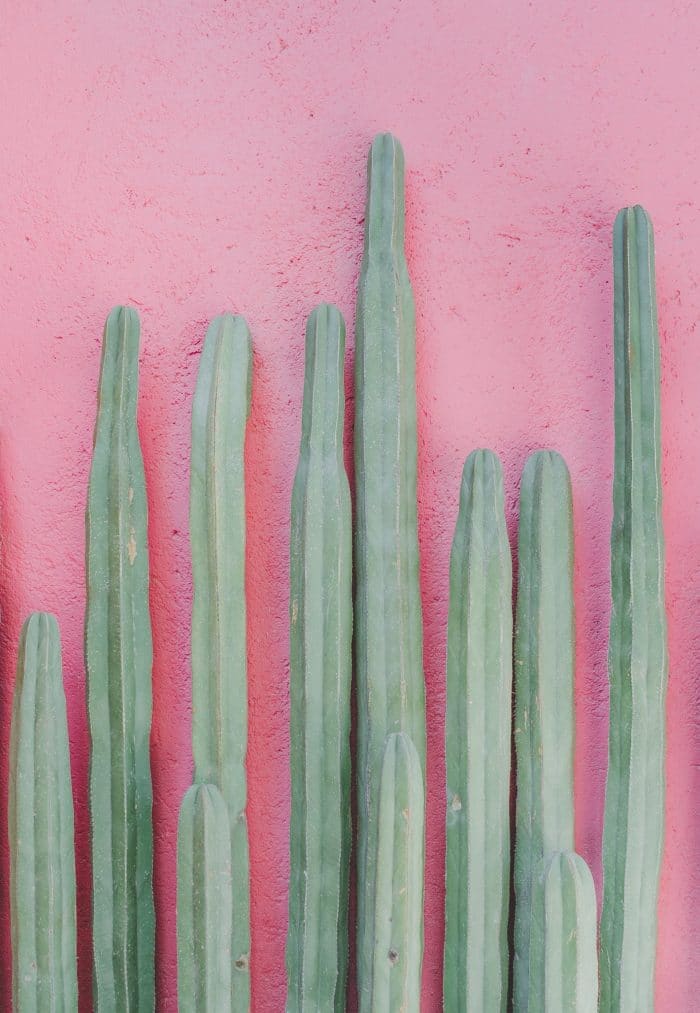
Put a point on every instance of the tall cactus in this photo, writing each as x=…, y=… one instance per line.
x=388, y=624
x=204, y=901
x=40, y=807
x=321, y=628
x=478, y=747
x=544, y=687
x=563, y=958
x=118, y=654
x=217, y=535
x=638, y=663
x=398, y=898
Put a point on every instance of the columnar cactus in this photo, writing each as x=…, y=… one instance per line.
x=563, y=959
x=118, y=654
x=638, y=663
x=388, y=624
x=217, y=535
x=40, y=804
x=544, y=687
x=398, y=898
x=478, y=746
x=320, y=635
x=204, y=901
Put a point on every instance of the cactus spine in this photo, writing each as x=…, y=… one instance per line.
x=638, y=662
x=320, y=634
x=398, y=898
x=40, y=806
x=388, y=624
x=544, y=687
x=563, y=959
x=217, y=534
x=478, y=747
x=204, y=901
x=118, y=654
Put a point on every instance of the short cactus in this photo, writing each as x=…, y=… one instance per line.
x=638, y=659
x=478, y=745
x=544, y=687
x=320, y=635
x=563, y=960
x=388, y=624
x=217, y=535
x=42, y=862
x=398, y=899
x=118, y=656
x=204, y=900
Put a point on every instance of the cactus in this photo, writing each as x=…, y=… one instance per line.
x=40, y=808
x=544, y=687
x=320, y=635
x=217, y=534
x=563, y=960
x=204, y=901
x=388, y=624
x=398, y=898
x=478, y=747
x=638, y=663
x=118, y=654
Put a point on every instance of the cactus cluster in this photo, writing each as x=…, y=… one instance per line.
x=554, y=962
x=553, y=965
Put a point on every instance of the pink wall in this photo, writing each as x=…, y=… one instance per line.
x=192, y=157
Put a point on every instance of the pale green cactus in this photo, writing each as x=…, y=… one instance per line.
x=320, y=635
x=388, y=623
x=118, y=656
x=40, y=806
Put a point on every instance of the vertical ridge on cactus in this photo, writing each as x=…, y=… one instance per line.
x=204, y=902
x=388, y=623
x=40, y=810
x=478, y=745
x=118, y=653
x=544, y=687
x=217, y=535
x=320, y=637
x=638, y=662
x=398, y=899
x=563, y=958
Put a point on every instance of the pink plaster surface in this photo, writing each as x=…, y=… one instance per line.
x=188, y=158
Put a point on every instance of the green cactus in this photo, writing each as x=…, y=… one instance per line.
x=563, y=959
x=478, y=745
x=638, y=662
x=204, y=902
x=40, y=808
x=388, y=624
x=217, y=534
x=544, y=687
x=398, y=898
x=118, y=654
x=320, y=635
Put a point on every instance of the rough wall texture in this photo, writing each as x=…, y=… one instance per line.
x=193, y=157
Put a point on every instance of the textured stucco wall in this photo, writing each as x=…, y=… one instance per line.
x=192, y=157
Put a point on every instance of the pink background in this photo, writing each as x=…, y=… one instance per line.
x=188, y=158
